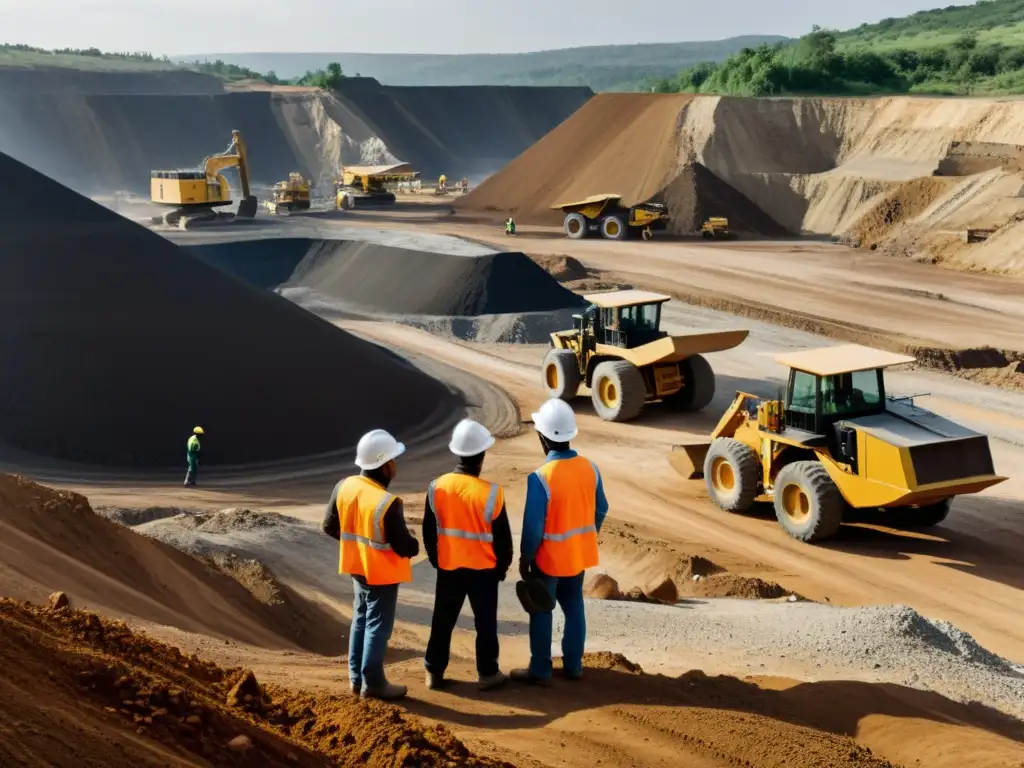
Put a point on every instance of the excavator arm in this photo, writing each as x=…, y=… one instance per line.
x=235, y=156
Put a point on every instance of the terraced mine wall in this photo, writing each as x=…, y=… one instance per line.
x=803, y=166
x=105, y=132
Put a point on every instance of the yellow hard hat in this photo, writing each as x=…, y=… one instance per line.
x=198, y=431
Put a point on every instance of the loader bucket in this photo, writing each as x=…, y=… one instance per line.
x=688, y=460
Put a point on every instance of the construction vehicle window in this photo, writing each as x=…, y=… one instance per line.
x=848, y=393
x=641, y=317
x=802, y=392
x=608, y=318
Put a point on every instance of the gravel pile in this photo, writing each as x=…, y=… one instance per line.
x=888, y=643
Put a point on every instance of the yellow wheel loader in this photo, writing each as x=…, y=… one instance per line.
x=717, y=227
x=291, y=195
x=606, y=216
x=617, y=348
x=196, y=194
x=837, y=442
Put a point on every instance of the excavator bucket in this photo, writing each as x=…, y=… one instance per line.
x=688, y=460
x=247, y=208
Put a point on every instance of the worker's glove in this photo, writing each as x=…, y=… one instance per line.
x=525, y=568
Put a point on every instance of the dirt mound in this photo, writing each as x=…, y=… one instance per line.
x=895, y=209
x=52, y=540
x=564, y=269
x=156, y=341
x=459, y=131
x=86, y=691
x=373, y=278
x=623, y=144
x=733, y=585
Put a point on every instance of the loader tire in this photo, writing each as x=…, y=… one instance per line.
x=698, y=384
x=614, y=228
x=560, y=374
x=575, y=226
x=808, y=503
x=732, y=474
x=618, y=391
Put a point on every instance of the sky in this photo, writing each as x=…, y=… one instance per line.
x=416, y=26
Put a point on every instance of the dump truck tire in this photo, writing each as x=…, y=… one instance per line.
x=575, y=226
x=614, y=228
x=921, y=517
x=732, y=474
x=807, y=502
x=698, y=384
x=618, y=391
x=560, y=374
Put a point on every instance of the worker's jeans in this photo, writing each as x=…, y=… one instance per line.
x=453, y=587
x=373, y=619
x=193, y=472
x=568, y=592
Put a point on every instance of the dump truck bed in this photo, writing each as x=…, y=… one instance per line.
x=671, y=349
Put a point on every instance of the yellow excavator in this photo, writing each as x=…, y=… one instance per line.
x=196, y=194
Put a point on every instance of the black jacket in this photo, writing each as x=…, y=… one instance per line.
x=500, y=528
x=395, y=531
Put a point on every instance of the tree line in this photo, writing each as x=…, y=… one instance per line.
x=816, y=65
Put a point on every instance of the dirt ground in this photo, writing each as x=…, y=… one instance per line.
x=714, y=705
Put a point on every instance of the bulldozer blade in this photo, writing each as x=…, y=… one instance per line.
x=247, y=208
x=688, y=460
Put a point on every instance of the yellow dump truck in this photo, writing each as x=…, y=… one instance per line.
x=196, y=194
x=605, y=216
x=717, y=227
x=290, y=195
x=367, y=185
x=617, y=348
x=837, y=442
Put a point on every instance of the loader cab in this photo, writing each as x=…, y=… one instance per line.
x=814, y=402
x=830, y=388
x=625, y=319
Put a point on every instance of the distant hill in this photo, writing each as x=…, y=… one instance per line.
x=959, y=50
x=603, y=68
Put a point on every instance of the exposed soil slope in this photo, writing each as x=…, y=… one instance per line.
x=115, y=343
x=52, y=540
x=369, y=277
x=801, y=165
x=460, y=130
x=86, y=692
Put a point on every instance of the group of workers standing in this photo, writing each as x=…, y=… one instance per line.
x=468, y=539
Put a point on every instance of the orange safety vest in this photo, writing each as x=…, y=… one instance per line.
x=464, y=507
x=362, y=504
x=569, y=546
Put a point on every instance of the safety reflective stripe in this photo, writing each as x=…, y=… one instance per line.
x=378, y=518
x=357, y=539
x=460, y=534
x=570, y=534
x=492, y=502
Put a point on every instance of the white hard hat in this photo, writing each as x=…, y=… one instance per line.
x=556, y=421
x=470, y=438
x=376, y=449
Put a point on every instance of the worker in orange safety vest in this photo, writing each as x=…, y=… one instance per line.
x=376, y=548
x=565, y=508
x=468, y=539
